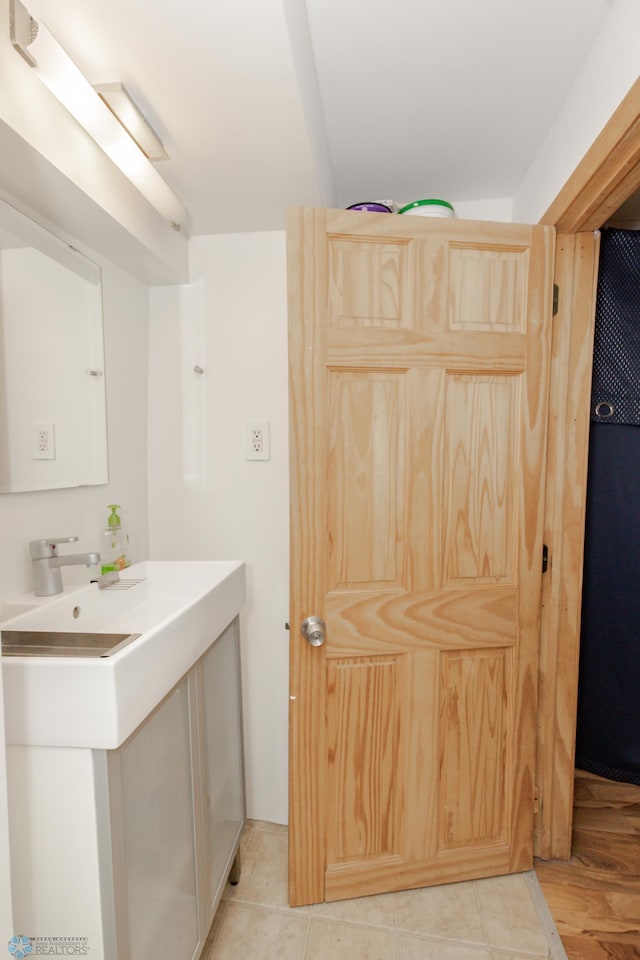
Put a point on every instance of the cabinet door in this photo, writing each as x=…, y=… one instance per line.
x=222, y=780
x=153, y=802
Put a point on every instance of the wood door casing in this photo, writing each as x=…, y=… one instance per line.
x=576, y=273
x=606, y=176
x=419, y=354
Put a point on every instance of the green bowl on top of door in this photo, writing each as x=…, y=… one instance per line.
x=429, y=208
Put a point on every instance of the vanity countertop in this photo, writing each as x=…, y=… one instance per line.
x=178, y=607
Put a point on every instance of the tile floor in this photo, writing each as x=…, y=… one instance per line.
x=503, y=918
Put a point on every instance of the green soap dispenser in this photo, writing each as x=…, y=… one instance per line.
x=115, y=543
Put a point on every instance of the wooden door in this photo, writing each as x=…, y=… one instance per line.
x=419, y=355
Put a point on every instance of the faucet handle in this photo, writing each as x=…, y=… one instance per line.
x=42, y=549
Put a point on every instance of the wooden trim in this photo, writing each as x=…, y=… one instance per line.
x=566, y=479
x=307, y=676
x=606, y=176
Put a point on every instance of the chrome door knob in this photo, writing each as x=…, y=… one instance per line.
x=315, y=631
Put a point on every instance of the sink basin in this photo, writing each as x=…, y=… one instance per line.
x=84, y=669
x=44, y=643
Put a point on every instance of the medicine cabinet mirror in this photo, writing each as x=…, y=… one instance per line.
x=53, y=430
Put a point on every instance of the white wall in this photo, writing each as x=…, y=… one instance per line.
x=205, y=500
x=607, y=75
x=498, y=209
x=297, y=21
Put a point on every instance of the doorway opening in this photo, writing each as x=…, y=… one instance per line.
x=605, y=179
x=608, y=721
x=602, y=191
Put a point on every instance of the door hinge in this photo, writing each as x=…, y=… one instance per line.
x=537, y=799
x=556, y=297
x=545, y=558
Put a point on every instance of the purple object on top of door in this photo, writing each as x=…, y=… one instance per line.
x=371, y=207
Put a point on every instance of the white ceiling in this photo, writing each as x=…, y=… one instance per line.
x=390, y=98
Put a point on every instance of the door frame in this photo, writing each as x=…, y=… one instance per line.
x=608, y=174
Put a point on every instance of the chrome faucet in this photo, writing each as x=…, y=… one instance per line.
x=46, y=564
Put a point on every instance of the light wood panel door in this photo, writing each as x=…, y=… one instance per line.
x=419, y=356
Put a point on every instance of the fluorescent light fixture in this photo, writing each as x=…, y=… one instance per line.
x=58, y=72
x=127, y=112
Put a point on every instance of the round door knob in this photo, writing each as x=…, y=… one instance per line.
x=315, y=630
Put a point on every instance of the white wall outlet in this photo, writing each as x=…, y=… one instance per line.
x=44, y=441
x=256, y=440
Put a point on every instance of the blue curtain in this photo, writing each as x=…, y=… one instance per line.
x=608, y=730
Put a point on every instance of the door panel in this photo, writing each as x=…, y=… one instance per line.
x=418, y=386
x=473, y=749
x=487, y=287
x=480, y=437
x=363, y=728
x=369, y=283
x=366, y=466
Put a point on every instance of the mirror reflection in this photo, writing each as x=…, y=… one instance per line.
x=53, y=429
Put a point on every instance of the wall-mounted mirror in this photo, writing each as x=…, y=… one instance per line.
x=53, y=430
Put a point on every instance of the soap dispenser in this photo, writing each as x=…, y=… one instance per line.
x=115, y=543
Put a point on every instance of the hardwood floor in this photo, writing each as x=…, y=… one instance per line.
x=595, y=897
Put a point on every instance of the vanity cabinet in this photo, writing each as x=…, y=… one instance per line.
x=144, y=836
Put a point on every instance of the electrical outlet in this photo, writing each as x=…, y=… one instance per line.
x=44, y=441
x=256, y=440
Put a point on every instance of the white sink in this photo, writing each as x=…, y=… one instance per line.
x=178, y=608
